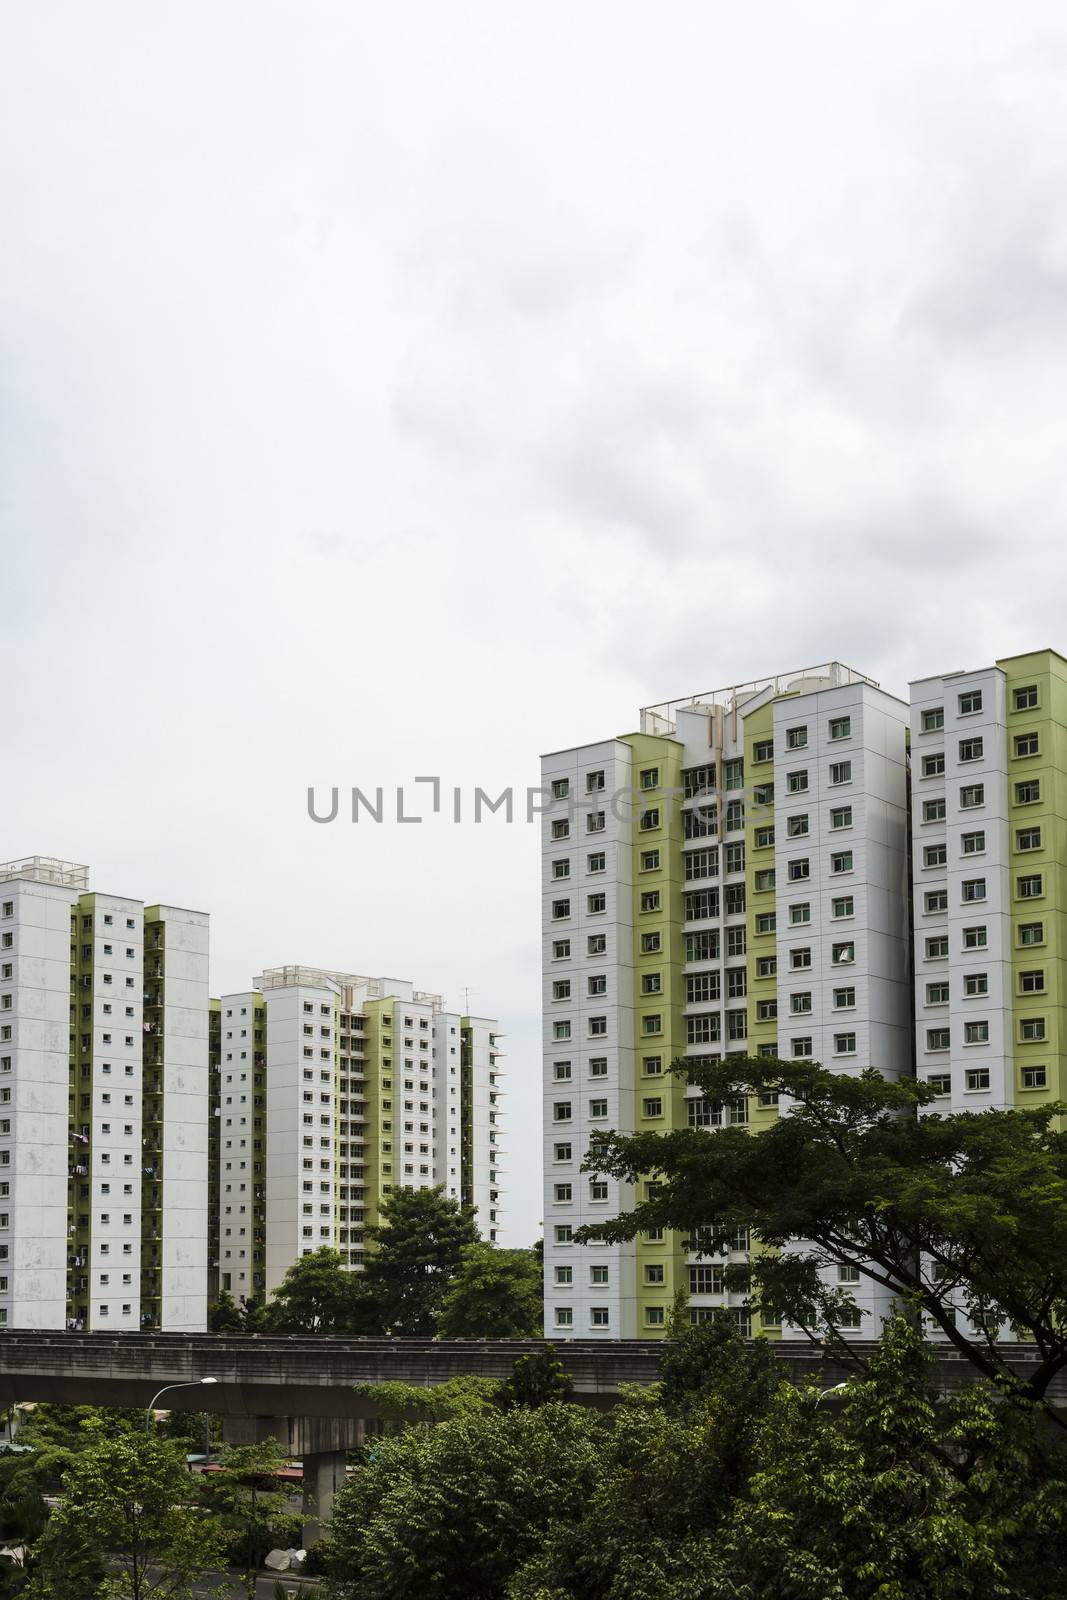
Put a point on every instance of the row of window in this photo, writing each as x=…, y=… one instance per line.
x=977, y=983
x=1029, y=1030
x=977, y=1078
x=970, y=704
x=1028, y=934
x=1028, y=886
x=973, y=749
x=974, y=844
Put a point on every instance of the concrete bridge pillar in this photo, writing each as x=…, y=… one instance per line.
x=324, y=1474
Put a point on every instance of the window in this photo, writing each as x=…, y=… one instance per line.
x=563, y=1232
x=596, y=944
x=561, y=788
x=800, y=1003
x=796, y=782
x=653, y=1023
x=1028, y=838
x=649, y=778
x=972, y=795
x=706, y=1280
x=1024, y=699
x=561, y=1111
x=594, y=781
x=975, y=938
x=598, y=1027
x=596, y=862
x=970, y=703
x=594, y=822
x=561, y=1071
x=937, y=947
x=973, y=889
x=651, y=983
x=843, y=906
x=933, y=720
x=596, y=904
x=841, y=772
x=977, y=1078
x=561, y=989
x=799, y=913
x=561, y=1029
x=598, y=1108
x=1031, y=1029
x=933, y=766
x=800, y=959
x=598, y=1066
x=763, y=750
x=561, y=1193
x=940, y=1082
x=975, y=983
x=796, y=738
x=655, y=1316
x=561, y=829
x=1028, y=793
x=649, y=819
x=844, y=999
x=801, y=1048
x=934, y=810
x=1032, y=982
x=841, y=861
x=971, y=749
x=597, y=984
x=564, y=1275
x=840, y=727
x=1029, y=887
x=561, y=869
x=842, y=955
x=935, y=900
x=561, y=1152
x=650, y=900
x=1031, y=933
x=649, y=860
x=799, y=870
x=1035, y=1078
x=564, y=1317
x=841, y=817
x=560, y=909
x=844, y=1044
x=652, y=1066
x=976, y=1032
x=937, y=994
x=797, y=827
x=972, y=844
x=561, y=949
x=765, y=880
x=937, y=1038
x=1026, y=744
x=653, y=1106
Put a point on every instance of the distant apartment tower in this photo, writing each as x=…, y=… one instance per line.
x=336, y=1089
x=104, y=1089
x=989, y=796
x=733, y=878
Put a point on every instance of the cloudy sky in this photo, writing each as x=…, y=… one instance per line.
x=408, y=389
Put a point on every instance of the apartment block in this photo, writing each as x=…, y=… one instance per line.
x=989, y=803
x=122, y=1242
x=335, y=1089
x=732, y=878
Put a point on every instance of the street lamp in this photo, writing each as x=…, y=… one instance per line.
x=835, y=1390
x=167, y=1387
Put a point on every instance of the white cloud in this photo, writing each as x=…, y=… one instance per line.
x=392, y=390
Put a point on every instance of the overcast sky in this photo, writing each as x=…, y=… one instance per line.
x=408, y=389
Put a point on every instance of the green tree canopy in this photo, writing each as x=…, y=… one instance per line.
x=319, y=1295
x=495, y=1294
x=126, y=1507
x=417, y=1249
x=968, y=1208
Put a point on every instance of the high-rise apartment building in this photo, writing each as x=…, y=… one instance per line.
x=731, y=878
x=334, y=1090
x=989, y=854
x=104, y=1095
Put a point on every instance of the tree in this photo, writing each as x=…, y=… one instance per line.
x=249, y=1500
x=968, y=1210
x=449, y=1512
x=126, y=1501
x=224, y=1315
x=538, y=1379
x=319, y=1295
x=496, y=1294
x=418, y=1249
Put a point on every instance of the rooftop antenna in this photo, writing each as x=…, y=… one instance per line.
x=467, y=1001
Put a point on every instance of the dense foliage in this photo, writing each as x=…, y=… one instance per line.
x=954, y=1214
x=726, y=1485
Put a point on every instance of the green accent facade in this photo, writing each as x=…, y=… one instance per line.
x=152, y=1068
x=1037, y=819
x=659, y=1028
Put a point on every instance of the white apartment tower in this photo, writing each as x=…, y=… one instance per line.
x=130, y=1136
x=334, y=1089
x=731, y=878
